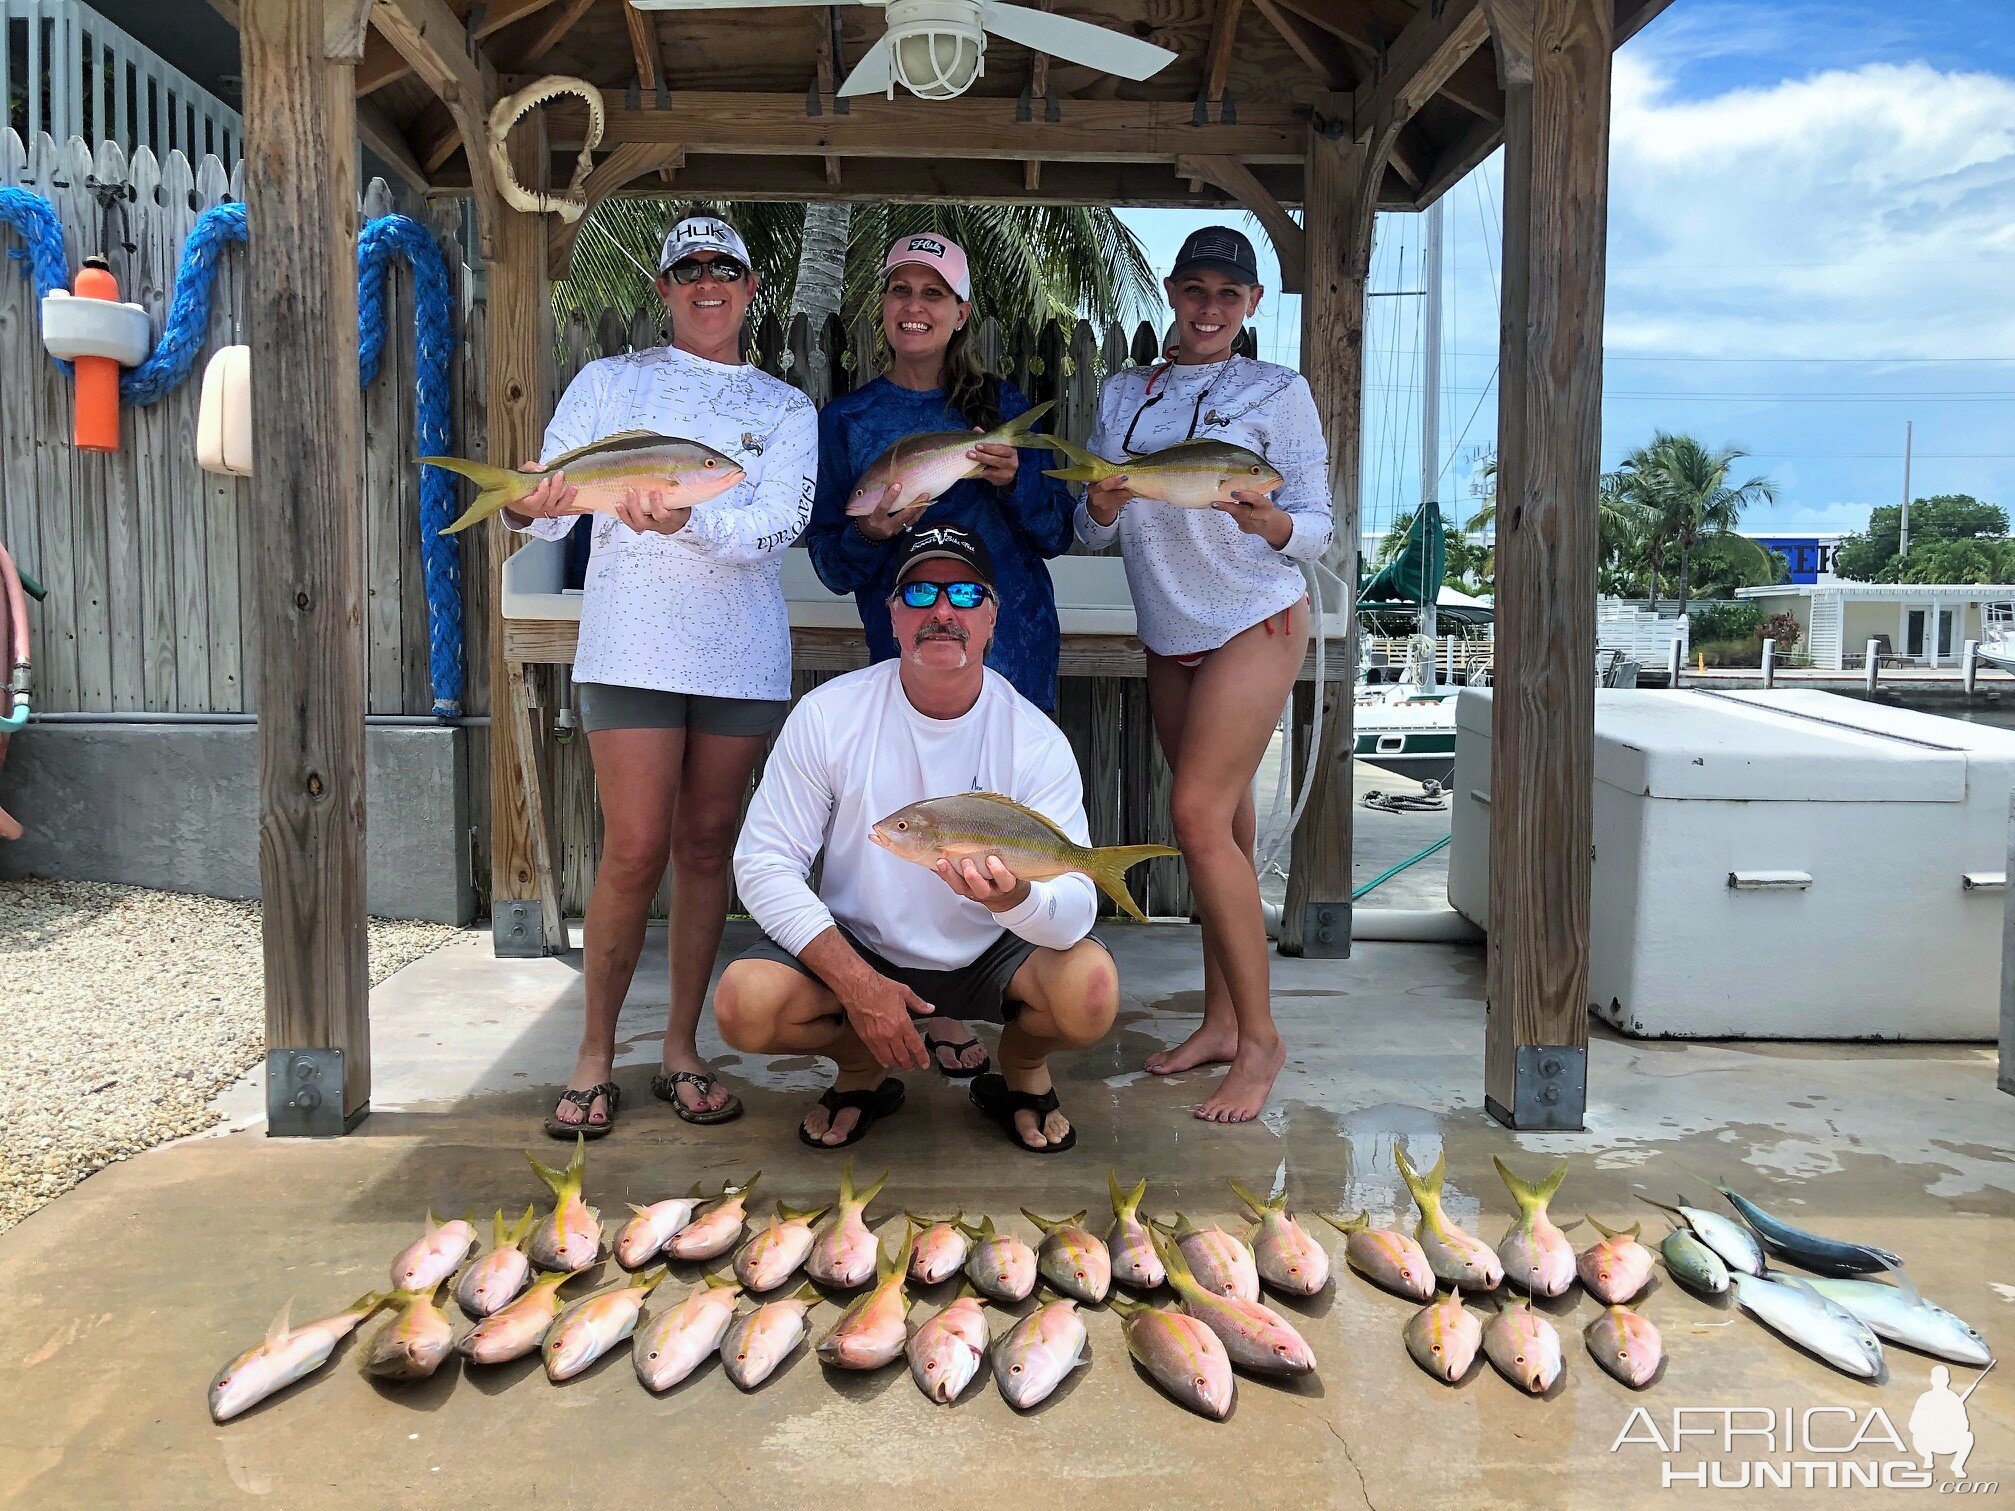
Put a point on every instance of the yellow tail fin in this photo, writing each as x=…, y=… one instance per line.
x=1016, y=431
x=1108, y=867
x=497, y=487
x=1083, y=468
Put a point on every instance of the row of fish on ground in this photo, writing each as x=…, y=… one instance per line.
x=1219, y=1322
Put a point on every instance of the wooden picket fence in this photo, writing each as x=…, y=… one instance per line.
x=147, y=559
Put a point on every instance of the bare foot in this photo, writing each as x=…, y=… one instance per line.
x=831, y=1129
x=689, y=1094
x=589, y=1071
x=1209, y=1045
x=1243, y=1091
x=1054, y=1127
x=952, y=1045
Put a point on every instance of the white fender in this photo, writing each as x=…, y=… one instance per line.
x=74, y=327
x=567, y=206
x=224, y=413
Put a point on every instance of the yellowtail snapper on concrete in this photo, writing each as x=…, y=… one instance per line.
x=1443, y=1338
x=1535, y=1253
x=844, y=1252
x=1385, y=1256
x=1458, y=1257
x=1071, y=1259
x=1183, y=1355
x=1287, y=1258
x=499, y=1276
x=284, y=1355
x=1128, y=1245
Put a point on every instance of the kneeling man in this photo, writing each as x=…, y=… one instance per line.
x=845, y=970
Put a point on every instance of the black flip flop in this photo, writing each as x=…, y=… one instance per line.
x=666, y=1089
x=956, y=1071
x=585, y=1100
x=871, y=1105
x=993, y=1096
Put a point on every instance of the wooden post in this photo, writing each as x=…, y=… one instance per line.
x=524, y=889
x=308, y=543
x=1554, y=61
x=1340, y=199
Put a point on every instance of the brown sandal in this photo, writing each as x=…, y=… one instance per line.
x=585, y=1100
x=666, y=1089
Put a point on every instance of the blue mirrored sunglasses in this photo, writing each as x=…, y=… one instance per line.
x=963, y=595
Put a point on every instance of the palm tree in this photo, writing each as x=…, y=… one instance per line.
x=1688, y=489
x=1030, y=262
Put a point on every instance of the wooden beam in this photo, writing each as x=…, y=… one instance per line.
x=1459, y=159
x=643, y=28
x=627, y=163
x=1372, y=43
x=382, y=135
x=1223, y=43
x=1317, y=51
x=1556, y=55
x=1232, y=176
x=1434, y=44
x=1632, y=16
x=1340, y=200
x=307, y=537
x=532, y=58
x=827, y=80
x=383, y=63
x=967, y=127
x=443, y=136
x=519, y=355
x=1038, y=85
x=434, y=41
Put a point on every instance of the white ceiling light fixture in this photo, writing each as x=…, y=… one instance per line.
x=936, y=49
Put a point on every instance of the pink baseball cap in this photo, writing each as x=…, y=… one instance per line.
x=940, y=254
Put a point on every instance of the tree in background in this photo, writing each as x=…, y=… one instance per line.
x=1686, y=485
x=1030, y=263
x=1954, y=537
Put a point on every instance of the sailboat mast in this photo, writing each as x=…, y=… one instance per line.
x=1430, y=410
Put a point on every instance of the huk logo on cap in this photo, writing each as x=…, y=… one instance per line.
x=928, y=244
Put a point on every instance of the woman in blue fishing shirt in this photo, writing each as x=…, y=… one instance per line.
x=933, y=382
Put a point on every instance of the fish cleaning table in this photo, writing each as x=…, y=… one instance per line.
x=1777, y=865
x=1094, y=612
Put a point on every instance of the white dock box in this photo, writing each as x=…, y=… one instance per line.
x=1777, y=865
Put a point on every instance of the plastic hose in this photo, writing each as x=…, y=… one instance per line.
x=1391, y=871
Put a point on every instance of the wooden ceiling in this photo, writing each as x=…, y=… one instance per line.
x=739, y=104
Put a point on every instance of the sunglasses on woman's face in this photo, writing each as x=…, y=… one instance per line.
x=721, y=270
x=961, y=595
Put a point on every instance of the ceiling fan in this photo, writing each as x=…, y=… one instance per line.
x=937, y=48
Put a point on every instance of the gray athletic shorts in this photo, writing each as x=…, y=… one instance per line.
x=604, y=705
x=978, y=990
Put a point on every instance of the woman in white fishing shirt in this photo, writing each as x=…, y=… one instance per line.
x=1222, y=608
x=684, y=666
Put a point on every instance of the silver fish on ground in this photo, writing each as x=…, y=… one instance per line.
x=1693, y=1264
x=411, y=1344
x=1828, y=1256
x=1184, y=1357
x=284, y=1355
x=1033, y=1357
x=946, y=1352
x=1071, y=1259
x=757, y=1342
x=1287, y=1258
x=677, y=1341
x=1900, y=1313
x=1736, y=1245
x=495, y=1280
x=1524, y=1346
x=1128, y=1245
x=434, y=1255
x=1626, y=1344
x=1443, y=1338
x=1793, y=1309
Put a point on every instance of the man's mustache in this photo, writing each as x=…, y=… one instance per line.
x=941, y=632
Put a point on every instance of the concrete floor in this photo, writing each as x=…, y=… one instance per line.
x=119, y=1302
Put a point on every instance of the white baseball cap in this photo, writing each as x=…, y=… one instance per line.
x=702, y=233
x=940, y=254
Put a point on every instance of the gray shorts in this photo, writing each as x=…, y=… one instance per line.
x=605, y=705
x=975, y=991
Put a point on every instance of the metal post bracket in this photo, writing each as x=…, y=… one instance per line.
x=1549, y=1091
x=1325, y=931
x=304, y=1094
x=517, y=929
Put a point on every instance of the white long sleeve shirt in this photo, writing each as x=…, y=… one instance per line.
x=855, y=750
x=1196, y=578
x=701, y=610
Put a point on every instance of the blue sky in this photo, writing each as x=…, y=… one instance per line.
x=1812, y=241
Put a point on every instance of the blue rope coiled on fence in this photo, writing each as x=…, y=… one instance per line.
x=383, y=239
x=188, y=322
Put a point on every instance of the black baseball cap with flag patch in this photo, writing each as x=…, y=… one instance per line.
x=945, y=543
x=1217, y=249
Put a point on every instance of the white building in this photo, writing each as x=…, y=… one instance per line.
x=1925, y=624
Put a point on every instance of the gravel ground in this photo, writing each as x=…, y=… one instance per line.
x=122, y=1013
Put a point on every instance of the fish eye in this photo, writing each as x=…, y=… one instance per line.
x=710, y=462
x=1434, y=1348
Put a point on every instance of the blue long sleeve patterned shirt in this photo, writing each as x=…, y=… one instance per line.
x=1023, y=526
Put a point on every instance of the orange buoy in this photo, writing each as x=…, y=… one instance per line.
x=96, y=423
